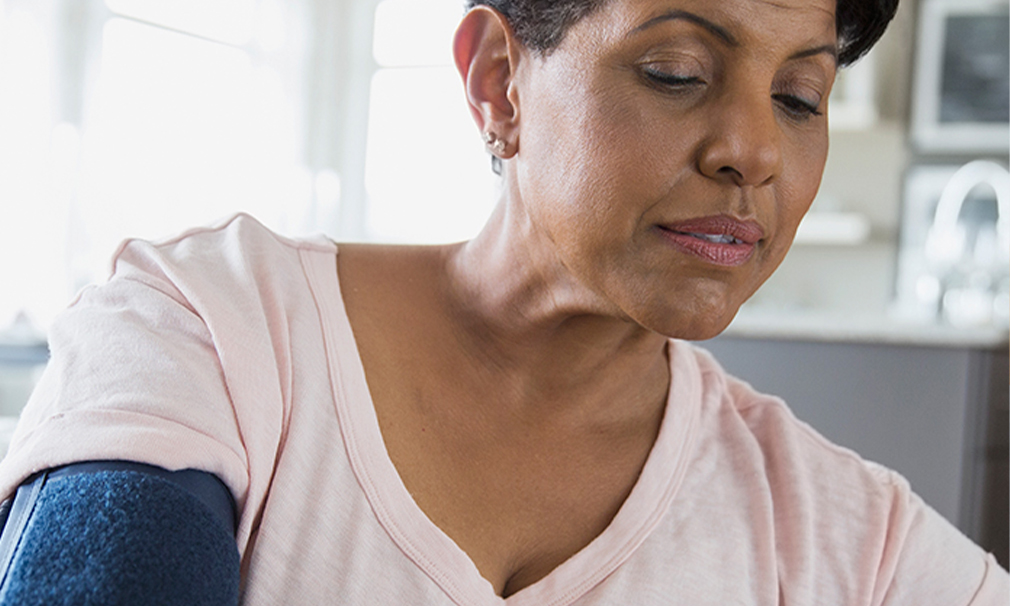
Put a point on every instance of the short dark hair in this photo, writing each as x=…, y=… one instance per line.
x=541, y=24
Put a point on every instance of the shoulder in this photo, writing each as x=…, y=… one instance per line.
x=770, y=425
x=238, y=250
x=183, y=358
x=240, y=231
x=236, y=269
x=800, y=467
x=840, y=525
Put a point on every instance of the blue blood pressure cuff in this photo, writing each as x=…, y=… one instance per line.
x=118, y=533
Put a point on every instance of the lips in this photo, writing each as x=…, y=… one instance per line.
x=721, y=240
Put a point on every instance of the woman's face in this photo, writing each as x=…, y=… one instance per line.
x=668, y=149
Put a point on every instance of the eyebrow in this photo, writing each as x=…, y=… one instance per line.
x=828, y=49
x=724, y=34
x=679, y=15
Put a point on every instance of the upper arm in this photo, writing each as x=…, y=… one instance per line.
x=120, y=533
x=134, y=374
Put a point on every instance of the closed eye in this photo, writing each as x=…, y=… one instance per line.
x=671, y=80
x=797, y=107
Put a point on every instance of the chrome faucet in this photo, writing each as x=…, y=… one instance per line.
x=972, y=275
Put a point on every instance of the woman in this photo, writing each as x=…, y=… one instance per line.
x=513, y=417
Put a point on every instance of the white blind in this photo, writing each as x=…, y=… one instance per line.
x=140, y=118
x=427, y=175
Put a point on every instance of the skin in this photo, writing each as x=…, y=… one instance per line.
x=520, y=378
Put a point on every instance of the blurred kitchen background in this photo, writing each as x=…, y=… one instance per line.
x=885, y=328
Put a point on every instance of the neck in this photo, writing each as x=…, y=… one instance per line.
x=516, y=308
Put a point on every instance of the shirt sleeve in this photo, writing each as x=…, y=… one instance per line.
x=134, y=375
x=995, y=588
x=182, y=360
x=933, y=563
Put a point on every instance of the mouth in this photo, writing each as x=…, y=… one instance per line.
x=715, y=238
x=720, y=240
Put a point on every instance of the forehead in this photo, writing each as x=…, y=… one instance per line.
x=741, y=21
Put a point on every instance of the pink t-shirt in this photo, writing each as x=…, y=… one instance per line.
x=228, y=350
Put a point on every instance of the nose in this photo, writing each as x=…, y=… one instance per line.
x=744, y=145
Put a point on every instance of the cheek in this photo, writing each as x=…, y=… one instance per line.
x=806, y=180
x=629, y=157
x=584, y=163
x=795, y=194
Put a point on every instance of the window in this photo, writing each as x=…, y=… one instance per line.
x=427, y=175
x=141, y=118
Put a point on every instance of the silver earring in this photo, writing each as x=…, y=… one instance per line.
x=494, y=143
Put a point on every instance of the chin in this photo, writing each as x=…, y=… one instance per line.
x=695, y=311
x=696, y=323
x=702, y=331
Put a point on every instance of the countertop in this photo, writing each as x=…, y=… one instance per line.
x=867, y=328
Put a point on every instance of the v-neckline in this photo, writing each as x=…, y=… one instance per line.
x=433, y=551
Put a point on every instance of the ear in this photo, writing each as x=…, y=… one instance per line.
x=487, y=54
